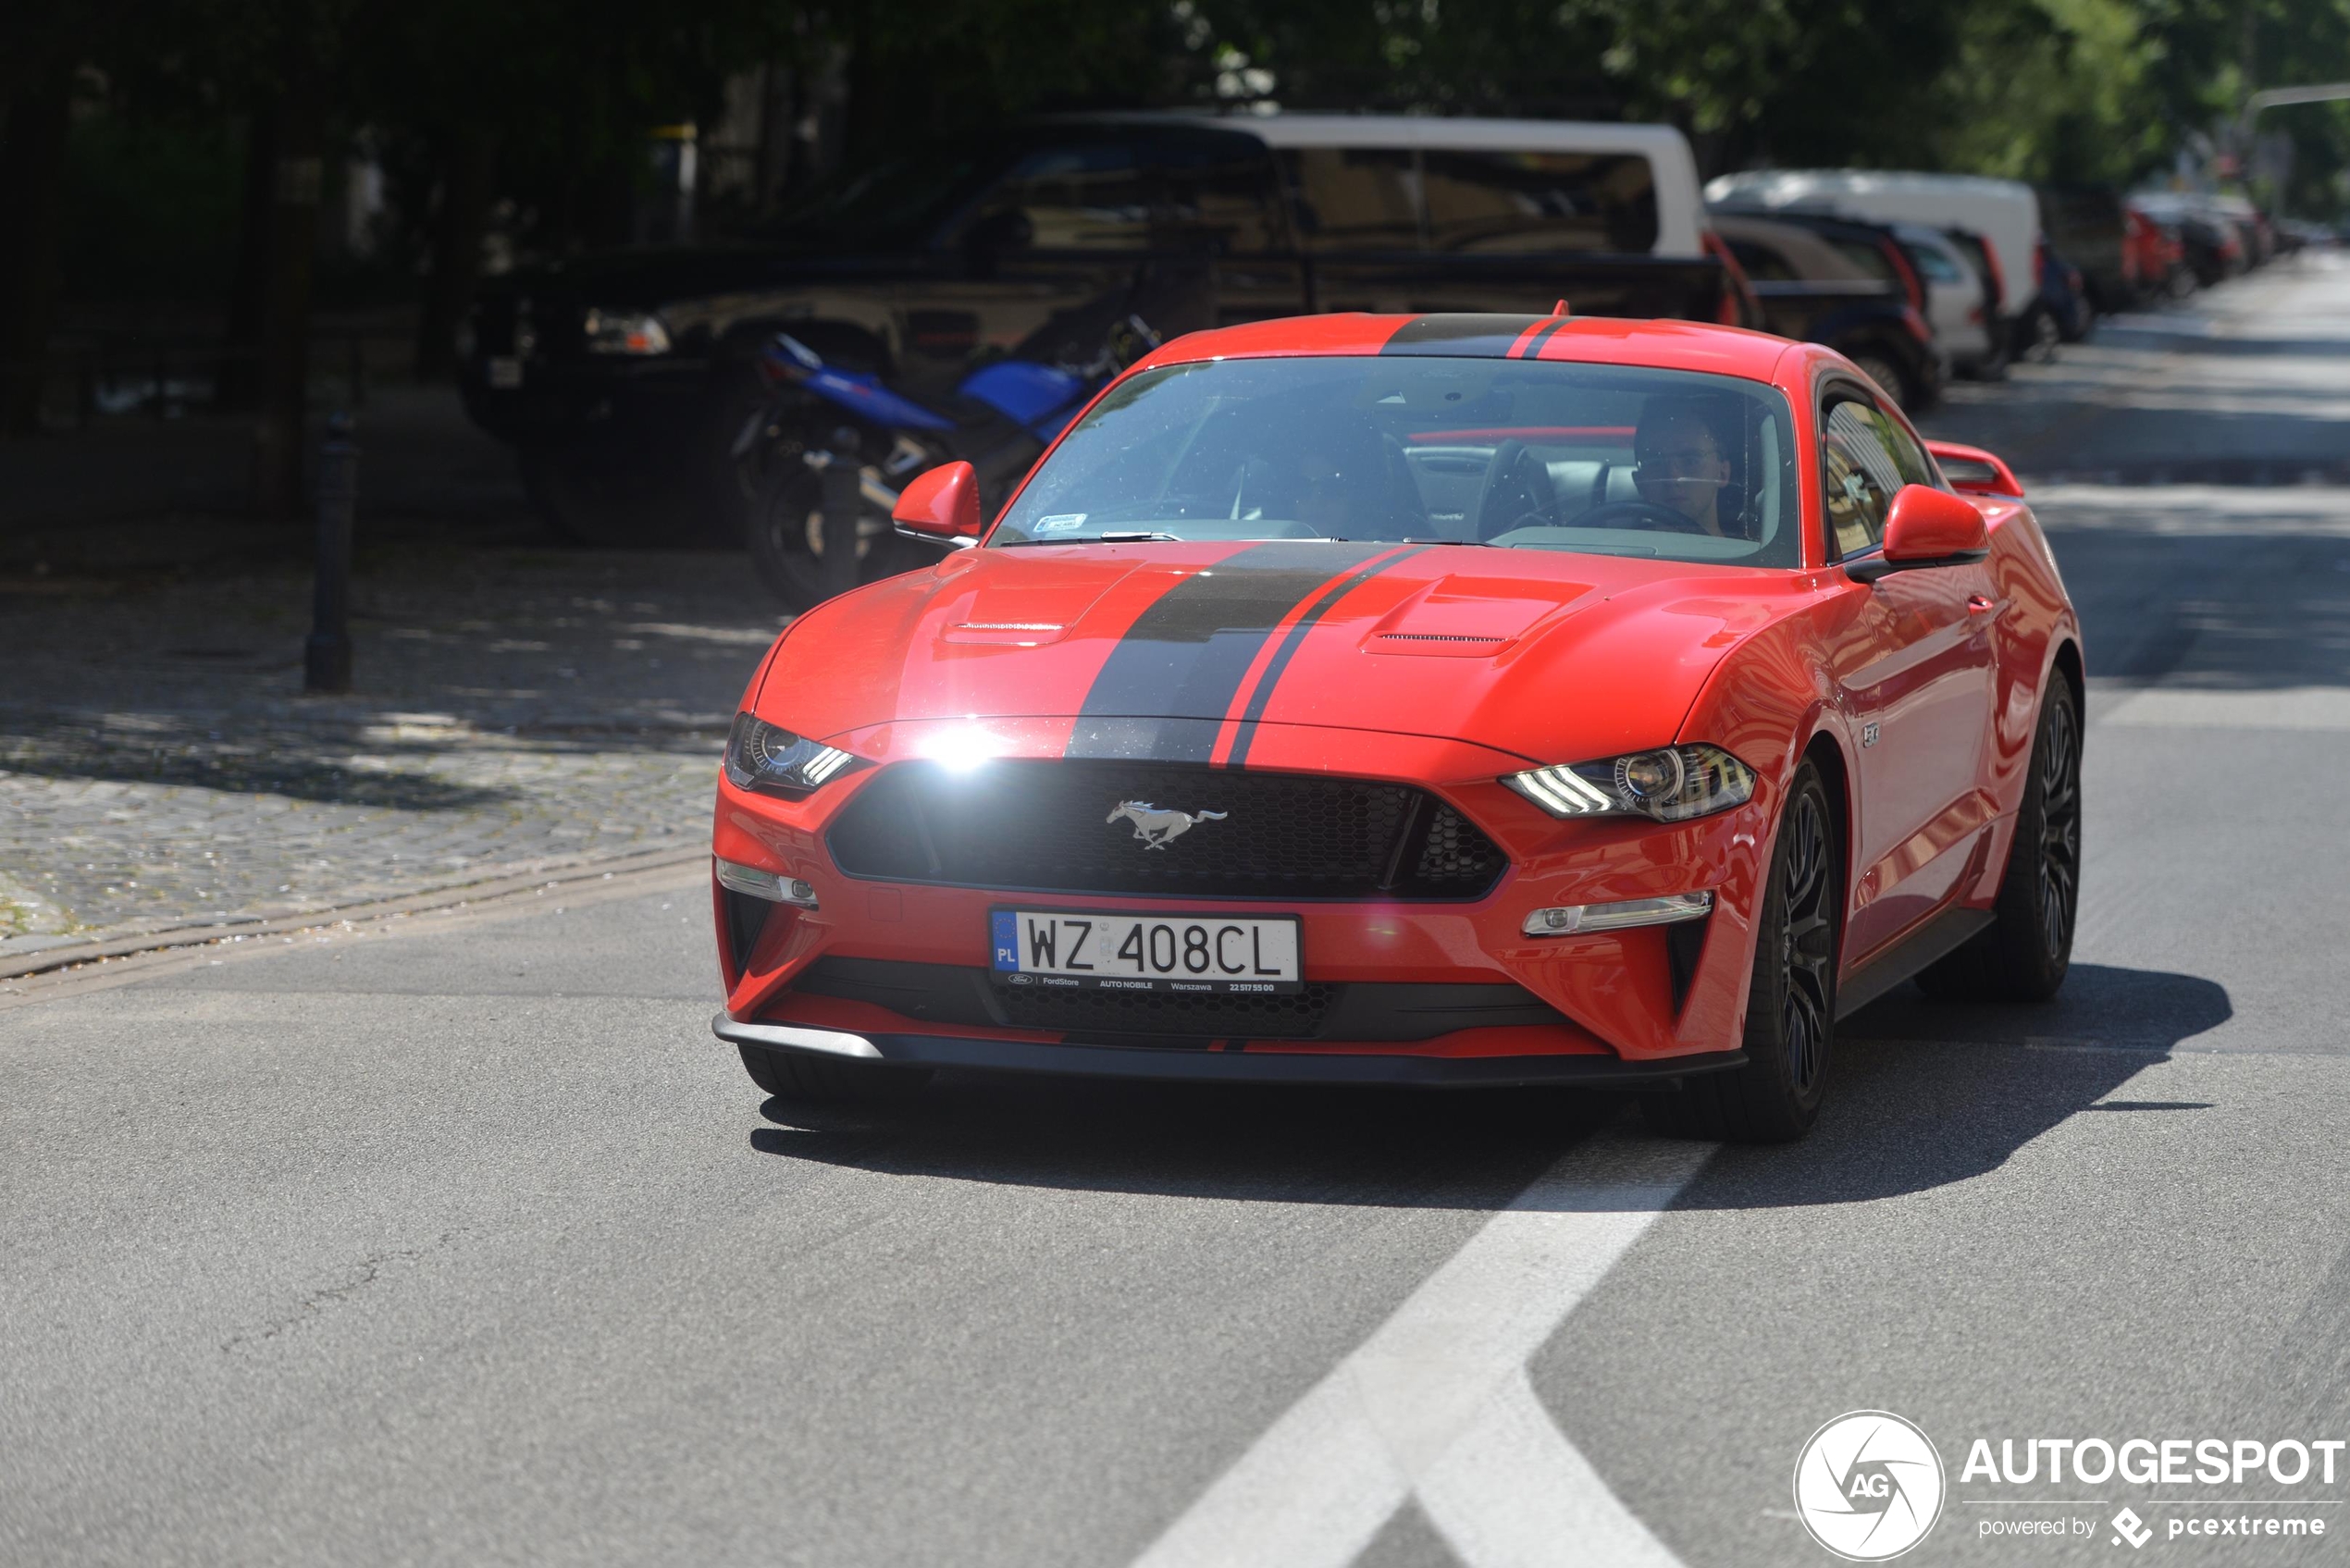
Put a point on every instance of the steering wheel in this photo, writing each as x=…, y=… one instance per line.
x=1635, y=515
x=1516, y=491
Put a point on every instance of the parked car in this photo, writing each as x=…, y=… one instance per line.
x=2158, y=257
x=1827, y=280
x=2065, y=292
x=2215, y=249
x=1957, y=301
x=621, y=366
x=2002, y=214
x=2088, y=226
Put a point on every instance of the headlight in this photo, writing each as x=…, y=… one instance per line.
x=776, y=762
x=624, y=332
x=1667, y=786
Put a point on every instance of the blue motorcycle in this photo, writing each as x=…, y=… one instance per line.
x=838, y=445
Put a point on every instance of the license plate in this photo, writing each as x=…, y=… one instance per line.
x=505, y=372
x=1110, y=952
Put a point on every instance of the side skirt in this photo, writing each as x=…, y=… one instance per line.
x=1940, y=937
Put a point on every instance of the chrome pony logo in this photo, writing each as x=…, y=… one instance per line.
x=1156, y=827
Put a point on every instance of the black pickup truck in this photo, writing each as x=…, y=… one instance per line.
x=629, y=375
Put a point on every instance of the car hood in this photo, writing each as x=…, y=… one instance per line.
x=1178, y=650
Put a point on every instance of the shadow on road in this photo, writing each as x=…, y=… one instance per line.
x=1926, y=1093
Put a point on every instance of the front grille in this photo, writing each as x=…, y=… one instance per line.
x=953, y=995
x=1048, y=826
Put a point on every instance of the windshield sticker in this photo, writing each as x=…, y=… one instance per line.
x=1061, y=522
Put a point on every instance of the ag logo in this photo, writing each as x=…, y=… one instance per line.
x=1868, y=1486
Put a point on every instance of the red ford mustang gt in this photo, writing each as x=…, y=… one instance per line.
x=1457, y=700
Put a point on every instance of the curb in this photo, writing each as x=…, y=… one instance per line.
x=66, y=955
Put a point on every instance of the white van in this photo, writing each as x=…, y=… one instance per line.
x=2004, y=212
x=1632, y=164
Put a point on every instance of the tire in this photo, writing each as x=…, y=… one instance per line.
x=724, y=484
x=1885, y=370
x=1790, y=1010
x=2038, y=336
x=2022, y=955
x=790, y=536
x=796, y=1075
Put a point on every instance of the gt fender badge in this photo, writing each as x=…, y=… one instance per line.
x=1156, y=827
x=1867, y=736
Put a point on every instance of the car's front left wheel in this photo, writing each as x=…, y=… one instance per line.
x=1791, y=1009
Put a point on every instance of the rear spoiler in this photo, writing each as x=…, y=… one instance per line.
x=1974, y=471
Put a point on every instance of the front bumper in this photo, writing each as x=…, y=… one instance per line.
x=1258, y=1065
x=1642, y=1000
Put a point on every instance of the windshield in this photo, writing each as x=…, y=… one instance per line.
x=1526, y=455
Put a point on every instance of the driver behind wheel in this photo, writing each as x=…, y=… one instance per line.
x=1680, y=463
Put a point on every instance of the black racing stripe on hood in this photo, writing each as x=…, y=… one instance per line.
x=1463, y=336
x=1263, y=695
x=1186, y=654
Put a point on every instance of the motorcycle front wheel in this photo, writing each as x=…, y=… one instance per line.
x=793, y=543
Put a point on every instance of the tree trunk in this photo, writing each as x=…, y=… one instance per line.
x=284, y=380
x=467, y=185
x=32, y=168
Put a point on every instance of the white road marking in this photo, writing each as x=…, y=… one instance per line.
x=2286, y=707
x=1436, y=1404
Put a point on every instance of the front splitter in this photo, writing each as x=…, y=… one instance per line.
x=1233, y=1067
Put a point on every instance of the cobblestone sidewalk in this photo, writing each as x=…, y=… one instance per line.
x=515, y=710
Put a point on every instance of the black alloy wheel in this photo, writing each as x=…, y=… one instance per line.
x=1790, y=1010
x=2022, y=955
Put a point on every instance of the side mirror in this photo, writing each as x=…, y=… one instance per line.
x=940, y=505
x=1975, y=471
x=1927, y=527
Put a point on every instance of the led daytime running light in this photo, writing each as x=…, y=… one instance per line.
x=1572, y=919
x=1671, y=784
x=773, y=761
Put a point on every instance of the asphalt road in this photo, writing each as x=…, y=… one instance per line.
x=470, y=1245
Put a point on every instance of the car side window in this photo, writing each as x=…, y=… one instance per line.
x=1908, y=456
x=1355, y=198
x=1507, y=200
x=1763, y=264
x=1084, y=196
x=1217, y=192
x=1858, y=476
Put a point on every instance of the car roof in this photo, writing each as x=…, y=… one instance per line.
x=1863, y=179
x=1420, y=131
x=1590, y=339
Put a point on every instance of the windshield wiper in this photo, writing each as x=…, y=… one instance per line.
x=1136, y=538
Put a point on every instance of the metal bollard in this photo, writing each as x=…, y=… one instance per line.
x=326, y=658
